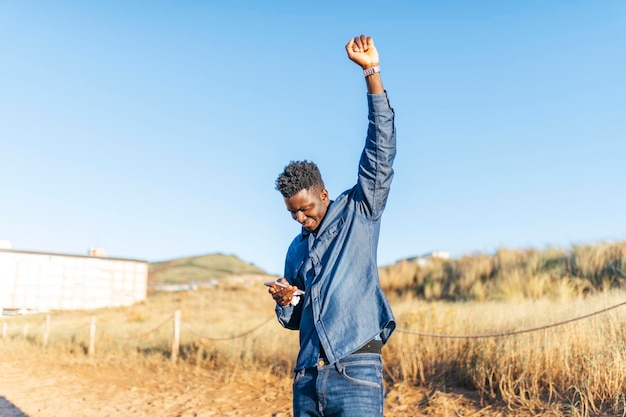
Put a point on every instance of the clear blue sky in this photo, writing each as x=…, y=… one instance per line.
x=156, y=129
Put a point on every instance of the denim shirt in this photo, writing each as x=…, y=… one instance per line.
x=343, y=307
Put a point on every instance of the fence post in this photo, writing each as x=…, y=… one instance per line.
x=4, y=330
x=25, y=331
x=92, y=337
x=176, y=338
x=46, y=332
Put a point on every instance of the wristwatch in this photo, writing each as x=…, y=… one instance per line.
x=371, y=71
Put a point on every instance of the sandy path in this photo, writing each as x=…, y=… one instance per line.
x=96, y=392
x=43, y=388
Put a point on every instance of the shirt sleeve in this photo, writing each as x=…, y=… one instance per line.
x=376, y=163
x=289, y=316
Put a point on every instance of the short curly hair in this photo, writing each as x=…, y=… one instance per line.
x=298, y=176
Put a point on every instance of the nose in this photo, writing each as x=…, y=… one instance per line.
x=299, y=217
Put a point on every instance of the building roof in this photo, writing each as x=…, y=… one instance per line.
x=69, y=255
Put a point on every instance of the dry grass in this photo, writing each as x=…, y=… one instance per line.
x=577, y=369
x=511, y=274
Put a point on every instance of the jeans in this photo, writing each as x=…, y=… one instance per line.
x=352, y=387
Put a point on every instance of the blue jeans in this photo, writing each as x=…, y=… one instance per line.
x=352, y=387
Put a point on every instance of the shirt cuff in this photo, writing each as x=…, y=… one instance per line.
x=284, y=312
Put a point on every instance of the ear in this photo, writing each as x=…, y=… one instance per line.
x=324, y=195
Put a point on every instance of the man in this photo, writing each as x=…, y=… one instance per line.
x=342, y=314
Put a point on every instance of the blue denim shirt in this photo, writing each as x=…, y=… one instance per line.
x=344, y=307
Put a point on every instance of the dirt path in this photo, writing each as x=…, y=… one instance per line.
x=59, y=391
x=45, y=389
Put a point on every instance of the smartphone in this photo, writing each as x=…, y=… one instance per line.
x=280, y=284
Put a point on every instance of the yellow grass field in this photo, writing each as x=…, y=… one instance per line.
x=235, y=359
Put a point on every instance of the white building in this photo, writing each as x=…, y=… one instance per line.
x=52, y=281
x=426, y=259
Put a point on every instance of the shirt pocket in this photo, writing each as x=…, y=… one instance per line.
x=331, y=231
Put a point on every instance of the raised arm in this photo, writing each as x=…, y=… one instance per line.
x=362, y=51
x=376, y=163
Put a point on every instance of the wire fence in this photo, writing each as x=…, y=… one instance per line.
x=511, y=332
x=139, y=337
x=237, y=336
x=179, y=325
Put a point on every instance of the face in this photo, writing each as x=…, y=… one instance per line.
x=308, y=207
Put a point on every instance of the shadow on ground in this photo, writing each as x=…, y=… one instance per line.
x=8, y=409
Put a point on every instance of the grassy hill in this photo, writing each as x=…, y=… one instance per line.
x=199, y=269
x=511, y=274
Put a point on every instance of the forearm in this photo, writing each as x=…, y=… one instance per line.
x=374, y=84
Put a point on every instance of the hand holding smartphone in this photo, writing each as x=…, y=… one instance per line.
x=281, y=284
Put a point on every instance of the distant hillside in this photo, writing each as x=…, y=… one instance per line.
x=199, y=269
